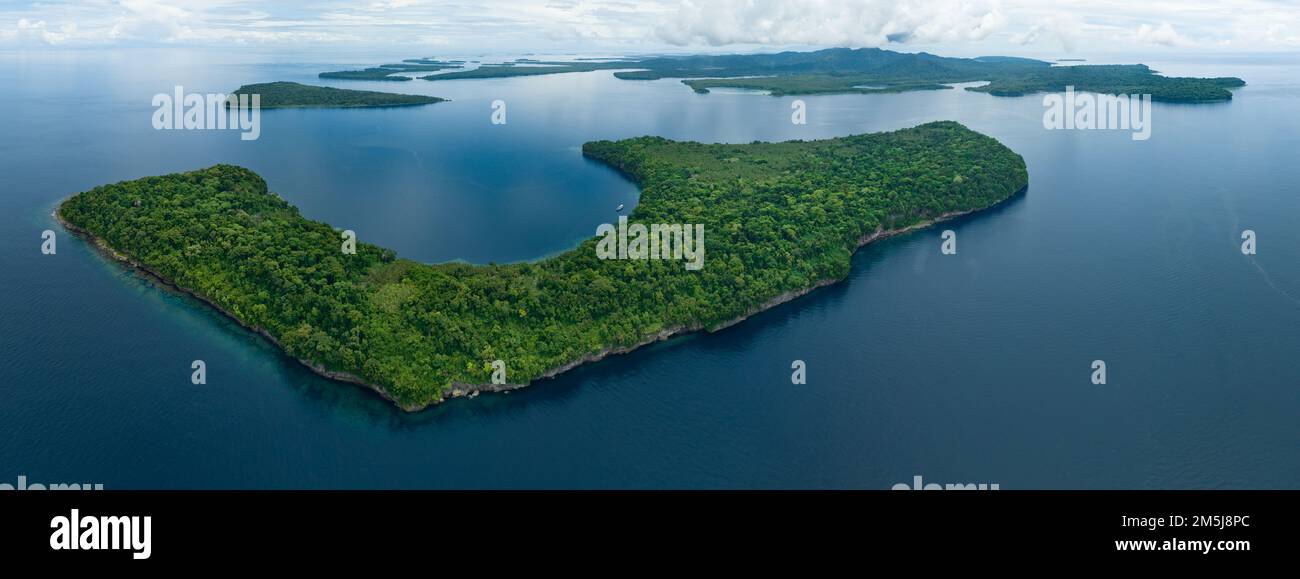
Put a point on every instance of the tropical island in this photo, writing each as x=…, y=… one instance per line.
x=394, y=72
x=276, y=95
x=780, y=220
x=525, y=67
x=874, y=70
x=1004, y=78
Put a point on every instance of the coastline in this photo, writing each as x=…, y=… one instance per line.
x=102, y=246
x=458, y=389
x=366, y=106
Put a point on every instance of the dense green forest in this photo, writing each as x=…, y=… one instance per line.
x=386, y=71
x=1106, y=79
x=873, y=70
x=1114, y=79
x=802, y=84
x=530, y=68
x=778, y=217
x=292, y=94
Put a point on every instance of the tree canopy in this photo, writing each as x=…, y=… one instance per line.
x=778, y=217
x=873, y=70
x=291, y=94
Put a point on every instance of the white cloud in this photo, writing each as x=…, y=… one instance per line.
x=1065, y=30
x=944, y=26
x=839, y=23
x=37, y=31
x=1164, y=34
x=1279, y=28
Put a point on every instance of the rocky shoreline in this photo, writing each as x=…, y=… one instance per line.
x=457, y=389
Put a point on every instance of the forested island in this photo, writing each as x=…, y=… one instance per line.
x=529, y=68
x=870, y=70
x=781, y=219
x=393, y=71
x=874, y=70
x=291, y=94
x=1114, y=79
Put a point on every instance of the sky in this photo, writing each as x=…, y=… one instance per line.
x=459, y=27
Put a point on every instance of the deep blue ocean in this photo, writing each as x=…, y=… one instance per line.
x=972, y=367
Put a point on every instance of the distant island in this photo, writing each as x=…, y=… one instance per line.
x=275, y=95
x=393, y=71
x=780, y=220
x=874, y=70
x=524, y=67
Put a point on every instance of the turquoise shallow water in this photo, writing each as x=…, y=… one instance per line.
x=966, y=368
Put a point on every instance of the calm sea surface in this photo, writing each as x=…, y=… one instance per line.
x=966, y=368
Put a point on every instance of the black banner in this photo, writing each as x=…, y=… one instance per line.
x=139, y=528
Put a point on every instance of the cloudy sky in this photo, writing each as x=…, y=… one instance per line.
x=959, y=27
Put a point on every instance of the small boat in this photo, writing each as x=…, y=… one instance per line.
x=619, y=208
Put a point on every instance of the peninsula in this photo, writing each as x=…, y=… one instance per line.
x=278, y=95
x=779, y=220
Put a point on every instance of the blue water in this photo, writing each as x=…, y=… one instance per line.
x=965, y=368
